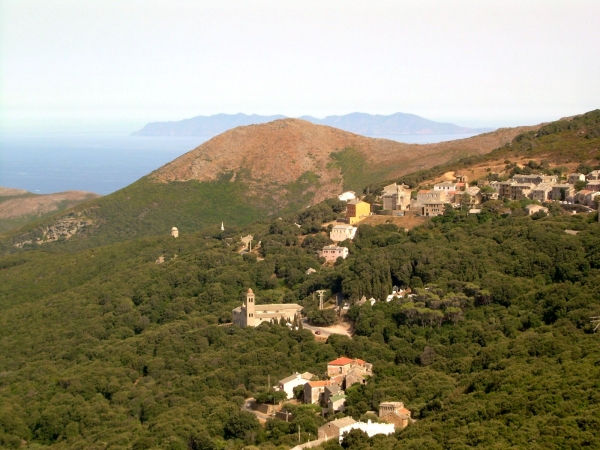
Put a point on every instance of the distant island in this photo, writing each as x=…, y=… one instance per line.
x=359, y=123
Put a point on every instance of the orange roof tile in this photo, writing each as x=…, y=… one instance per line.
x=319, y=383
x=342, y=361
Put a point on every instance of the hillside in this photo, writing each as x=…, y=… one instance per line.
x=247, y=173
x=108, y=348
x=359, y=123
x=563, y=145
x=19, y=207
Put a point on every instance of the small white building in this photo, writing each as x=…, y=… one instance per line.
x=348, y=195
x=332, y=252
x=575, y=177
x=448, y=186
x=532, y=209
x=371, y=428
x=340, y=233
x=288, y=384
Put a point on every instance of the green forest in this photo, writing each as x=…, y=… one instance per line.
x=104, y=348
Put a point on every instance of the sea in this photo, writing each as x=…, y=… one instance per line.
x=45, y=163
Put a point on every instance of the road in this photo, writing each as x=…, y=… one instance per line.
x=342, y=328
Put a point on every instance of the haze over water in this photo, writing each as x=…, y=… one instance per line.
x=103, y=163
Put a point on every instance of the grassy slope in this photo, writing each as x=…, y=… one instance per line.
x=10, y=223
x=146, y=209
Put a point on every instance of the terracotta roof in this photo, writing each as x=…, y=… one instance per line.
x=319, y=383
x=342, y=361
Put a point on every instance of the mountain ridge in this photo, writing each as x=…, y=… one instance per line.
x=396, y=124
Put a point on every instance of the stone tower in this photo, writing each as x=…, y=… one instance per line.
x=174, y=232
x=249, y=306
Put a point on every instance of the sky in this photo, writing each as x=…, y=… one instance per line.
x=110, y=64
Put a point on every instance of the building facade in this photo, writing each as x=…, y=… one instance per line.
x=252, y=315
x=340, y=233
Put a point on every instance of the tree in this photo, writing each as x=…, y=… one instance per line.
x=240, y=425
x=355, y=440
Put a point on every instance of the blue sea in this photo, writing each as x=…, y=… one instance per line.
x=103, y=163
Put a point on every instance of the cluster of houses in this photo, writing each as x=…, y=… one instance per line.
x=330, y=394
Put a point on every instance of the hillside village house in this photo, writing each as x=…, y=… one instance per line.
x=357, y=210
x=371, y=428
x=428, y=197
x=395, y=413
x=561, y=192
x=344, y=366
x=447, y=186
x=340, y=233
x=336, y=403
x=314, y=391
x=575, y=177
x=348, y=195
x=532, y=209
x=332, y=252
x=593, y=185
x=288, y=384
x=252, y=315
x=396, y=197
x=332, y=429
x=593, y=175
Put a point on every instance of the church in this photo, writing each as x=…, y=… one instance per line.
x=252, y=315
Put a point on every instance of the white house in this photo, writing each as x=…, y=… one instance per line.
x=288, y=384
x=340, y=233
x=447, y=186
x=348, y=195
x=371, y=428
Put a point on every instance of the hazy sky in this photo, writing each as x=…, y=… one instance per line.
x=123, y=63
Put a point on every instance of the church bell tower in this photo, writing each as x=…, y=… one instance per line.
x=250, y=318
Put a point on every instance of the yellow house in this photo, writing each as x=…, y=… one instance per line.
x=357, y=210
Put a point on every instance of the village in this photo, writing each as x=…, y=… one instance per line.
x=329, y=394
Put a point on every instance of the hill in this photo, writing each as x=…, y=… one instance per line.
x=247, y=173
x=569, y=144
x=18, y=207
x=360, y=123
x=116, y=347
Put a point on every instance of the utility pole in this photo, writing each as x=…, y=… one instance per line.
x=269, y=383
x=321, y=293
x=298, y=433
x=595, y=320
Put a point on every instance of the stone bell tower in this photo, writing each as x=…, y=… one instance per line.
x=249, y=306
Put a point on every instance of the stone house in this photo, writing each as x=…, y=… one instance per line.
x=332, y=429
x=562, y=192
x=343, y=366
x=575, y=177
x=314, y=391
x=332, y=252
x=433, y=209
x=593, y=175
x=336, y=403
x=340, y=233
x=593, y=185
x=428, y=197
x=395, y=413
x=396, y=197
x=579, y=197
x=541, y=192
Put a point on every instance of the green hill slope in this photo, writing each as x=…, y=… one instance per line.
x=106, y=348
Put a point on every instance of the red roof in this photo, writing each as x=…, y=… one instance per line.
x=342, y=361
x=319, y=383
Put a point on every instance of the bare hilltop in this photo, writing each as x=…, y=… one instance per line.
x=281, y=152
